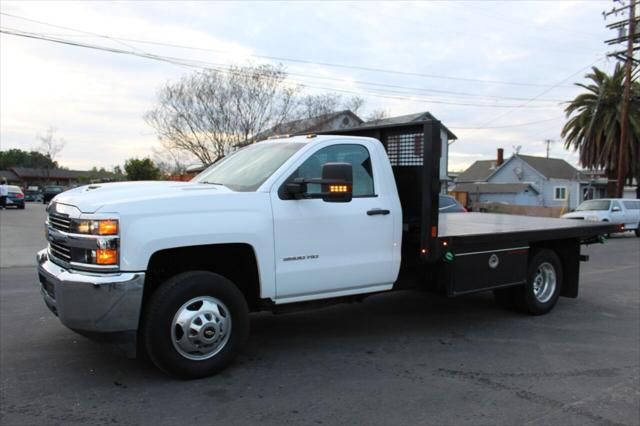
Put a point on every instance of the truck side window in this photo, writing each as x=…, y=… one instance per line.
x=357, y=155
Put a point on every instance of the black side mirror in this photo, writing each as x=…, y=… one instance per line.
x=338, y=182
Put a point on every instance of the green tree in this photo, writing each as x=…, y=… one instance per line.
x=141, y=169
x=594, y=123
x=20, y=158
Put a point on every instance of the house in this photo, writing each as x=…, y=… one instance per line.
x=10, y=177
x=525, y=180
x=331, y=121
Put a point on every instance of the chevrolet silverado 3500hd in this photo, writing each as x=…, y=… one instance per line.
x=175, y=268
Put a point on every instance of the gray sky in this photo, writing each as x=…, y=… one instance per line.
x=464, y=52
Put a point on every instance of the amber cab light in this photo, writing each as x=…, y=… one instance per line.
x=107, y=257
x=107, y=227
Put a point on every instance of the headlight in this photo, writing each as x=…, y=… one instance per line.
x=95, y=227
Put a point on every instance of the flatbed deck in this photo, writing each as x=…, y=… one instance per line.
x=474, y=228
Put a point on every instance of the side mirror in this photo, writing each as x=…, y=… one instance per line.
x=615, y=209
x=337, y=185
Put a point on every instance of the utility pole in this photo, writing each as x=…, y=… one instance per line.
x=548, y=142
x=629, y=37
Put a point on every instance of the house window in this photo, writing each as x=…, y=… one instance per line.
x=560, y=193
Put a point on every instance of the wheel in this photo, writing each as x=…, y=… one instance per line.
x=195, y=324
x=544, y=283
x=505, y=297
x=21, y=206
x=638, y=231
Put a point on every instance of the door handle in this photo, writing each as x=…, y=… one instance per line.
x=374, y=212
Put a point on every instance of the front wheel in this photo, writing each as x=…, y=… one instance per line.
x=544, y=284
x=195, y=324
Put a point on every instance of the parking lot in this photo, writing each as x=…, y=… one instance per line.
x=399, y=358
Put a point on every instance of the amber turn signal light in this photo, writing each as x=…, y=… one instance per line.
x=338, y=188
x=107, y=257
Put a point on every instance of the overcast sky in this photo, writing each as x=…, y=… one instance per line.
x=495, y=73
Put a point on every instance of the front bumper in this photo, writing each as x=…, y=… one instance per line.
x=103, y=306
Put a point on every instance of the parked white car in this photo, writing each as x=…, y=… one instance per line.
x=621, y=211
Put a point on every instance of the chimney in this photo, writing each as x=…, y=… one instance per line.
x=500, y=158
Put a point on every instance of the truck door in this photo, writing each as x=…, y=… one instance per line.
x=329, y=249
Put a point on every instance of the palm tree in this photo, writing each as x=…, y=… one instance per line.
x=594, y=123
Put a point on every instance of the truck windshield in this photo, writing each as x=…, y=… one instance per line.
x=594, y=205
x=247, y=169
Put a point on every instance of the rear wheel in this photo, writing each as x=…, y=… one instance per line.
x=544, y=283
x=195, y=324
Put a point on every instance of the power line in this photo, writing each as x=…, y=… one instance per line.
x=305, y=61
x=361, y=82
x=190, y=63
x=539, y=95
x=507, y=126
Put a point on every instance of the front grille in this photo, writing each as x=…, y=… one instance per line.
x=61, y=251
x=59, y=222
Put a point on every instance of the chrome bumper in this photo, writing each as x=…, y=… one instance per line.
x=93, y=304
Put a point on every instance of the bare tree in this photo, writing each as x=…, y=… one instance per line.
x=50, y=147
x=172, y=162
x=207, y=113
x=354, y=104
x=378, y=114
x=314, y=106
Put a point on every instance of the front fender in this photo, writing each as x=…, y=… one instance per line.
x=244, y=218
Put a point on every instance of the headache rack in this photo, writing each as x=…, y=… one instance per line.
x=414, y=150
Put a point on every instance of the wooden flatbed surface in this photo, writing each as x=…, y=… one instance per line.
x=500, y=226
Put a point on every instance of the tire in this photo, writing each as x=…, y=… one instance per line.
x=505, y=297
x=638, y=231
x=199, y=297
x=544, y=284
x=21, y=206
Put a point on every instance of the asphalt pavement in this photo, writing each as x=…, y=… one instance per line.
x=397, y=358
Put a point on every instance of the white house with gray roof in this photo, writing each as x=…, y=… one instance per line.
x=524, y=180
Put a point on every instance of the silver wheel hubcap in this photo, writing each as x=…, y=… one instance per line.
x=201, y=328
x=544, y=282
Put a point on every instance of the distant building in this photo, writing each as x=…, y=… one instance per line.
x=26, y=177
x=528, y=180
x=332, y=121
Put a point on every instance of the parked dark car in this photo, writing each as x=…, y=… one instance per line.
x=15, y=198
x=50, y=192
x=32, y=195
x=449, y=204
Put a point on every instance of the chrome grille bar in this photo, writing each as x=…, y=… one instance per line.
x=60, y=223
x=60, y=251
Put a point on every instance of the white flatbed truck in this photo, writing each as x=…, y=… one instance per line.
x=175, y=268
